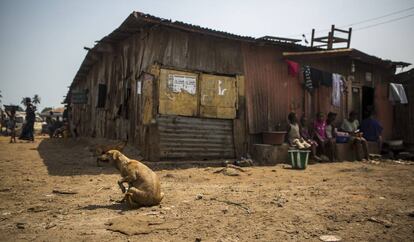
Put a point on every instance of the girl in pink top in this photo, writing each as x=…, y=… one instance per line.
x=320, y=127
x=319, y=130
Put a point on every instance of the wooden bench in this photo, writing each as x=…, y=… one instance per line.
x=265, y=154
x=345, y=152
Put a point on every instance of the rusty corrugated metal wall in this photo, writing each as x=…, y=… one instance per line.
x=120, y=69
x=190, y=137
x=270, y=92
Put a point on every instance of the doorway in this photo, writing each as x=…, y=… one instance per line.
x=368, y=94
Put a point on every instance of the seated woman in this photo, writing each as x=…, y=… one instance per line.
x=305, y=134
x=319, y=131
x=293, y=130
x=351, y=126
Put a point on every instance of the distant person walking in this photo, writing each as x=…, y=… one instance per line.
x=12, y=125
x=28, y=128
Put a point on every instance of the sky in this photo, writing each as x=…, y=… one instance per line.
x=41, y=42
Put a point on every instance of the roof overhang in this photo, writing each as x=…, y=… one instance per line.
x=353, y=54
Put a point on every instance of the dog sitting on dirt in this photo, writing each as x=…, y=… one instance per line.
x=100, y=149
x=144, y=185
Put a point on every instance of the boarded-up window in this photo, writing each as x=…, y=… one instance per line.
x=218, y=96
x=193, y=94
x=101, y=96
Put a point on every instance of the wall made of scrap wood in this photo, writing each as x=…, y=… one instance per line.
x=123, y=66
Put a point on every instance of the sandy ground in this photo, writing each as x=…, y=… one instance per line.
x=353, y=200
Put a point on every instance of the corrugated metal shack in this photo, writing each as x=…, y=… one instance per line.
x=177, y=90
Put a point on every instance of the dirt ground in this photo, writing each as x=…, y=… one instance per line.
x=52, y=190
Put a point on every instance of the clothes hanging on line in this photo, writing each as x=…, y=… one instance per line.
x=293, y=68
x=397, y=93
x=337, y=89
x=316, y=76
x=326, y=79
x=307, y=78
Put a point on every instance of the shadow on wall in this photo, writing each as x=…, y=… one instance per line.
x=70, y=157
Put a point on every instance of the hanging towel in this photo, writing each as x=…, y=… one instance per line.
x=293, y=68
x=337, y=88
x=307, y=78
x=397, y=93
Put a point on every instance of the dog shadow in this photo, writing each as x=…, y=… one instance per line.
x=113, y=206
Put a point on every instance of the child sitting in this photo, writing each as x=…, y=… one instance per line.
x=294, y=136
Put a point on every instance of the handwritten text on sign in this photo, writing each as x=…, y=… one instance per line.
x=177, y=83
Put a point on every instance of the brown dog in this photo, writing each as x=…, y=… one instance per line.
x=144, y=185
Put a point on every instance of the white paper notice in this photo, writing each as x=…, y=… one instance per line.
x=177, y=83
x=139, y=89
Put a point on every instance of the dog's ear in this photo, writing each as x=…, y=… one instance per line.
x=115, y=154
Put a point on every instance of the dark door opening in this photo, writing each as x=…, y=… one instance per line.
x=368, y=94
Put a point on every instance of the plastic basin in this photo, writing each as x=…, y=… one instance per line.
x=273, y=137
x=299, y=158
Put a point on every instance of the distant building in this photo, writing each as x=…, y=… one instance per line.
x=57, y=112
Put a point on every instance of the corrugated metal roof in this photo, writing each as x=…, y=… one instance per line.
x=136, y=21
x=407, y=76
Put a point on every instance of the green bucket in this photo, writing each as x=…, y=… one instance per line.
x=299, y=158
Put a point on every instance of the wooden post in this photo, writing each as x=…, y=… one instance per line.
x=331, y=37
x=313, y=36
x=349, y=38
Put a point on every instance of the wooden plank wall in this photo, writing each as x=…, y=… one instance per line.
x=122, y=68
